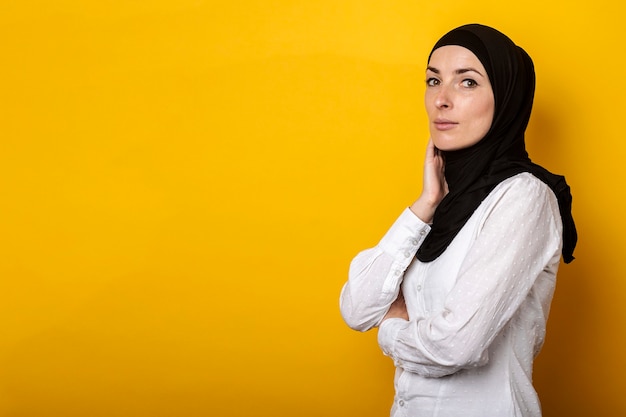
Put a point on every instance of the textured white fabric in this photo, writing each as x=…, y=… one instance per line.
x=477, y=314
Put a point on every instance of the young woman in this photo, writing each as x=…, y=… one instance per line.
x=461, y=284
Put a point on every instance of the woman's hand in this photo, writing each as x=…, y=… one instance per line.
x=434, y=188
x=397, y=309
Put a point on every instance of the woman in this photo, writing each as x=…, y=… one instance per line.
x=461, y=284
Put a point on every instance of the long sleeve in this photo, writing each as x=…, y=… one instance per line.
x=517, y=239
x=375, y=274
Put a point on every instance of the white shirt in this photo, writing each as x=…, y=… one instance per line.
x=477, y=313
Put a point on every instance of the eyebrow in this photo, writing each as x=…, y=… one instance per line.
x=458, y=71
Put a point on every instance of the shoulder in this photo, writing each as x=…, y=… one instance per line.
x=522, y=195
x=524, y=187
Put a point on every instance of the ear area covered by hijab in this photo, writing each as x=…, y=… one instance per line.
x=473, y=172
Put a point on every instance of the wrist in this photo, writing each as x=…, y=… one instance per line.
x=423, y=209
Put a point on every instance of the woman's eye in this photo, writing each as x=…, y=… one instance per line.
x=431, y=82
x=469, y=83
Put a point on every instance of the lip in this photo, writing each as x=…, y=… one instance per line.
x=444, y=124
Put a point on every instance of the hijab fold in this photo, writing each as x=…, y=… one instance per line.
x=473, y=172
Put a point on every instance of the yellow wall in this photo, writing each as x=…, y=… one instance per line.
x=184, y=182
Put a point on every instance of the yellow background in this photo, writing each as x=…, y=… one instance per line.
x=183, y=184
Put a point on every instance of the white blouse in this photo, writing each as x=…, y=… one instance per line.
x=477, y=313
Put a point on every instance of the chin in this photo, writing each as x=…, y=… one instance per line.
x=444, y=144
x=451, y=144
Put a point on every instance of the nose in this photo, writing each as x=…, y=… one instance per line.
x=443, y=99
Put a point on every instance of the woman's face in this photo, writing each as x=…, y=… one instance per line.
x=459, y=99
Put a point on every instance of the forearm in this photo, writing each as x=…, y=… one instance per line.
x=376, y=274
x=411, y=346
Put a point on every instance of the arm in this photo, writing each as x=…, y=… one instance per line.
x=376, y=274
x=519, y=237
x=435, y=189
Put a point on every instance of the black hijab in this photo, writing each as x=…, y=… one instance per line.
x=473, y=172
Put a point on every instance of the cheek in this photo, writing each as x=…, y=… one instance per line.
x=484, y=117
x=485, y=124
